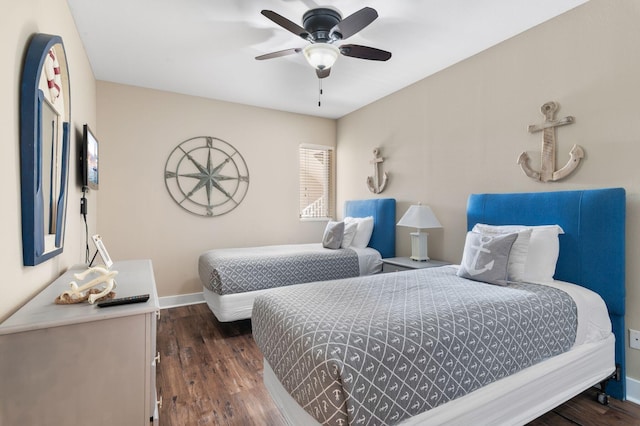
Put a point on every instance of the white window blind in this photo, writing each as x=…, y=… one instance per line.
x=316, y=181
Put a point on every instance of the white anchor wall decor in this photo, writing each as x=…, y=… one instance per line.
x=373, y=182
x=548, y=155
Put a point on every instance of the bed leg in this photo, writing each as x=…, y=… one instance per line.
x=602, y=396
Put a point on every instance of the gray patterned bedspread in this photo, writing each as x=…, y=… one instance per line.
x=236, y=270
x=377, y=350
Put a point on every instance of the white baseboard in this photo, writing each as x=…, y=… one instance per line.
x=180, y=300
x=633, y=390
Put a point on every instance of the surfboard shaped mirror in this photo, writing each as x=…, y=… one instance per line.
x=45, y=114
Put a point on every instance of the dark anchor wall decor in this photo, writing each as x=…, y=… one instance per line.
x=373, y=182
x=548, y=156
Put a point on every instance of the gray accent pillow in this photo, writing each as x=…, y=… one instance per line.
x=486, y=257
x=519, y=250
x=332, y=238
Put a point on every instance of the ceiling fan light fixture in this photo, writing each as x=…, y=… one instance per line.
x=321, y=55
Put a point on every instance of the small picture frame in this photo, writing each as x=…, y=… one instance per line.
x=104, y=254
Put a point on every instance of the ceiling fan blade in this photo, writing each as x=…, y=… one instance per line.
x=323, y=73
x=364, y=52
x=286, y=24
x=354, y=23
x=279, y=53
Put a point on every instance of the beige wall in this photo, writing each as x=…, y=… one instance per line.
x=138, y=219
x=462, y=130
x=20, y=20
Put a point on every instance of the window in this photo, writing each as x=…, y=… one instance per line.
x=317, y=184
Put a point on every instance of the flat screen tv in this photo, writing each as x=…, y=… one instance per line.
x=89, y=159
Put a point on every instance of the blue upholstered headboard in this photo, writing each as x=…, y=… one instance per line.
x=592, y=249
x=383, y=211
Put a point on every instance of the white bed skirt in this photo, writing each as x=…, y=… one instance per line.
x=231, y=307
x=514, y=400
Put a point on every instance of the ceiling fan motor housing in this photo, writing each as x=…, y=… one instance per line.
x=319, y=22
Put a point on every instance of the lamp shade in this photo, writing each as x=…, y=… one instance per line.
x=321, y=55
x=421, y=217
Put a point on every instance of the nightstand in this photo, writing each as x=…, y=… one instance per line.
x=395, y=264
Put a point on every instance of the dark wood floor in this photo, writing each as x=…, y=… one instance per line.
x=211, y=374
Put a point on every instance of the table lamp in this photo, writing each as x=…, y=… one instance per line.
x=419, y=217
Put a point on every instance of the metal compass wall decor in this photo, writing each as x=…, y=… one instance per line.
x=206, y=176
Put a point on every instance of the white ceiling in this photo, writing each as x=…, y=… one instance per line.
x=207, y=47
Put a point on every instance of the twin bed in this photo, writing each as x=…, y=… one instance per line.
x=433, y=347
x=233, y=278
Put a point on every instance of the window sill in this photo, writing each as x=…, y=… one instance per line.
x=315, y=219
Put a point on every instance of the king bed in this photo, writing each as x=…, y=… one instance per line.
x=232, y=278
x=455, y=344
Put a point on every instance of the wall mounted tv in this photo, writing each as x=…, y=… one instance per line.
x=89, y=159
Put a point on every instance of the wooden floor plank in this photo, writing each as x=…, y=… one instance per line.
x=211, y=374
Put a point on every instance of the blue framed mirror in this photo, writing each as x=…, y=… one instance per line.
x=45, y=113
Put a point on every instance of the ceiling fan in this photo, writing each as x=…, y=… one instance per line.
x=323, y=27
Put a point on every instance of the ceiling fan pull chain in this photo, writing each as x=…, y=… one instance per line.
x=319, y=91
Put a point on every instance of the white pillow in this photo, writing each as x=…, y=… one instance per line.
x=519, y=250
x=544, y=248
x=363, y=232
x=349, y=232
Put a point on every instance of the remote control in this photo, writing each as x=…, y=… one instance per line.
x=124, y=300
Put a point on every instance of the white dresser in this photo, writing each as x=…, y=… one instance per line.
x=81, y=364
